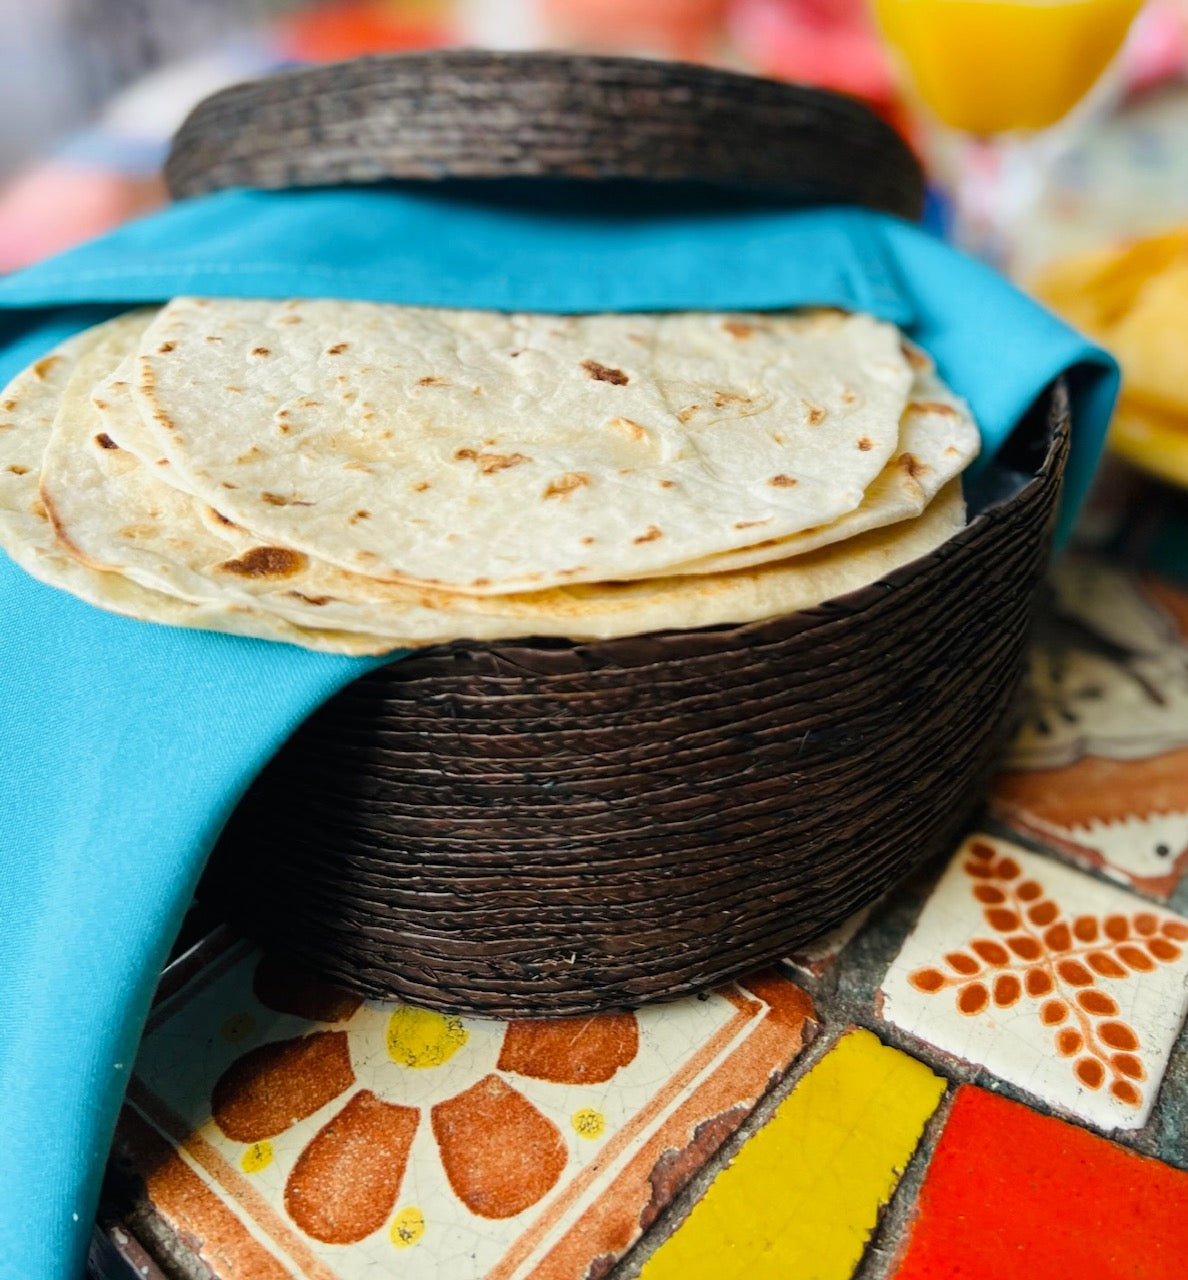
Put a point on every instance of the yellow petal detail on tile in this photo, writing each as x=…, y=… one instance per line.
x=258, y=1156
x=408, y=1226
x=421, y=1038
x=589, y=1123
x=801, y=1198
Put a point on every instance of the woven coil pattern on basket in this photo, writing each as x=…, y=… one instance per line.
x=541, y=828
x=472, y=114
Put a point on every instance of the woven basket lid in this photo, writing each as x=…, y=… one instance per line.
x=472, y=114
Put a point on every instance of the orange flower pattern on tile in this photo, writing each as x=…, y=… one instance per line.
x=1039, y=954
x=346, y=1181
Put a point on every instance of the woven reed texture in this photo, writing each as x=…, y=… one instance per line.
x=539, y=828
x=473, y=114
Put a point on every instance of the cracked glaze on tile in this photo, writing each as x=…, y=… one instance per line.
x=1049, y=1200
x=347, y=1139
x=1069, y=988
x=1100, y=768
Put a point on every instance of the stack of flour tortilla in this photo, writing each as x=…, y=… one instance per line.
x=358, y=477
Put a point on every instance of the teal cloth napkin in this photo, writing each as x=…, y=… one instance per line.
x=124, y=746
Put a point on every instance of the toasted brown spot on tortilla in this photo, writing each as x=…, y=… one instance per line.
x=933, y=406
x=213, y=337
x=104, y=441
x=266, y=562
x=683, y=415
x=226, y=484
x=252, y=453
x=99, y=404
x=912, y=465
x=490, y=463
x=513, y=354
x=567, y=573
x=951, y=449
x=316, y=601
x=165, y=348
x=360, y=515
x=723, y=398
x=916, y=358
x=782, y=481
x=752, y=524
x=587, y=542
x=44, y=365
x=279, y=500
x=9, y=406
x=777, y=439
x=222, y=519
x=433, y=382
x=162, y=462
x=232, y=389
x=366, y=557
x=18, y=470
x=848, y=396
x=650, y=536
x=738, y=328
x=481, y=582
x=667, y=484
x=337, y=349
x=816, y=415
x=566, y=484
x=307, y=403
x=284, y=428
x=261, y=351
x=865, y=443
x=420, y=488
x=289, y=319
x=603, y=373
x=629, y=428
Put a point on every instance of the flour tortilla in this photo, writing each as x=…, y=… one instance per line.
x=491, y=453
x=28, y=407
x=114, y=509
x=938, y=439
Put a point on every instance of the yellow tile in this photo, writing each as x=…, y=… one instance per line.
x=803, y=1195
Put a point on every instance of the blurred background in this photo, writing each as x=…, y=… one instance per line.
x=92, y=90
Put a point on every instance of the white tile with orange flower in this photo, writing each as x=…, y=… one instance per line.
x=1072, y=989
x=340, y=1134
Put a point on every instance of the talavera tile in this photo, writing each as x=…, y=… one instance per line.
x=296, y=1131
x=1067, y=987
x=1012, y=1194
x=1100, y=768
x=803, y=1195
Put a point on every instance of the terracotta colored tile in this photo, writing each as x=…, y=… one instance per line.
x=386, y=1138
x=1014, y=1195
x=1100, y=768
x=803, y=1195
x=1069, y=988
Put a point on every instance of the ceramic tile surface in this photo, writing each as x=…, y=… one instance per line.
x=803, y=1195
x=297, y=1131
x=1049, y=1200
x=1100, y=768
x=1067, y=987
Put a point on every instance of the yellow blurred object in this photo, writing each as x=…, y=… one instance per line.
x=1156, y=442
x=993, y=66
x=1133, y=299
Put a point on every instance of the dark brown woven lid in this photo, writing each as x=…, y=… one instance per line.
x=475, y=114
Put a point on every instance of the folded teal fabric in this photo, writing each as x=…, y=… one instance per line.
x=124, y=746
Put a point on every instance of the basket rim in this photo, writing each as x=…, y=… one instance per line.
x=482, y=114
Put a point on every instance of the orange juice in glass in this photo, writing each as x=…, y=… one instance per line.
x=995, y=66
x=999, y=78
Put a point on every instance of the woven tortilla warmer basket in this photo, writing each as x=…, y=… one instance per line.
x=540, y=827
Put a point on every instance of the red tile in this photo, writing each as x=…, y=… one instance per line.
x=1012, y=1194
